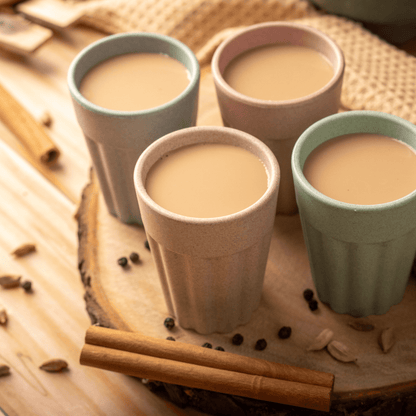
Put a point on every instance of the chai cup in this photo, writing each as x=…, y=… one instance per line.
x=360, y=255
x=115, y=139
x=277, y=123
x=211, y=269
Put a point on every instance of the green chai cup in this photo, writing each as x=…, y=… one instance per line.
x=360, y=255
x=116, y=139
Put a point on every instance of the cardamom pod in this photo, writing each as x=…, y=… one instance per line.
x=4, y=370
x=9, y=280
x=322, y=340
x=361, y=325
x=54, y=365
x=386, y=339
x=46, y=118
x=23, y=250
x=340, y=352
x=3, y=316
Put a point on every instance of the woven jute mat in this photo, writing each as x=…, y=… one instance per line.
x=378, y=76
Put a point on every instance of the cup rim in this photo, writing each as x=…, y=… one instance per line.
x=76, y=94
x=328, y=121
x=177, y=137
x=221, y=83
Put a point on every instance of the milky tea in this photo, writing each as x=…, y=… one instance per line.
x=135, y=81
x=362, y=168
x=278, y=72
x=207, y=180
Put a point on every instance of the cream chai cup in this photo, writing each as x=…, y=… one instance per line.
x=277, y=123
x=211, y=269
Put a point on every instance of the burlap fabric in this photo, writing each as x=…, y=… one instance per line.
x=378, y=76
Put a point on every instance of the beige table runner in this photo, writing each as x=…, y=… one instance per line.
x=378, y=76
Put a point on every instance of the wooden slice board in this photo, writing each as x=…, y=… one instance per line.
x=131, y=299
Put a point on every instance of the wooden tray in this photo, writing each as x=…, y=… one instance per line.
x=130, y=298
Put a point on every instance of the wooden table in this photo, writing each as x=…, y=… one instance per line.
x=37, y=205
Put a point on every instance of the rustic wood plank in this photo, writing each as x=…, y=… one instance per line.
x=53, y=13
x=20, y=35
x=51, y=321
x=37, y=205
x=38, y=83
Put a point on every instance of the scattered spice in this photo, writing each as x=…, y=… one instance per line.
x=169, y=323
x=3, y=316
x=76, y=214
x=9, y=281
x=55, y=365
x=313, y=305
x=386, y=339
x=219, y=348
x=284, y=332
x=308, y=294
x=4, y=370
x=27, y=286
x=45, y=118
x=23, y=250
x=361, y=325
x=122, y=261
x=322, y=340
x=237, y=339
x=189, y=393
x=146, y=244
x=171, y=339
x=134, y=257
x=340, y=352
x=261, y=344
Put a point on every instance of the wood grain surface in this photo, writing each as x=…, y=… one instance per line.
x=37, y=205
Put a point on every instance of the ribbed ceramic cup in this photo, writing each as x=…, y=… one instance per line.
x=115, y=139
x=360, y=255
x=211, y=269
x=277, y=123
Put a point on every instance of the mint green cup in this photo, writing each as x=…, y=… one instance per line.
x=360, y=255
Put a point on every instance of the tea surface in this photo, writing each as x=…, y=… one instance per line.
x=362, y=168
x=278, y=72
x=207, y=180
x=135, y=81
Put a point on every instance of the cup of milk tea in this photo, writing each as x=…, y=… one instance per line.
x=355, y=181
x=273, y=80
x=207, y=197
x=128, y=90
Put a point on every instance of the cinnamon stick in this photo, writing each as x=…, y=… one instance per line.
x=207, y=378
x=29, y=131
x=193, y=354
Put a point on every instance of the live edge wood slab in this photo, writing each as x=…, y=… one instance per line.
x=130, y=299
